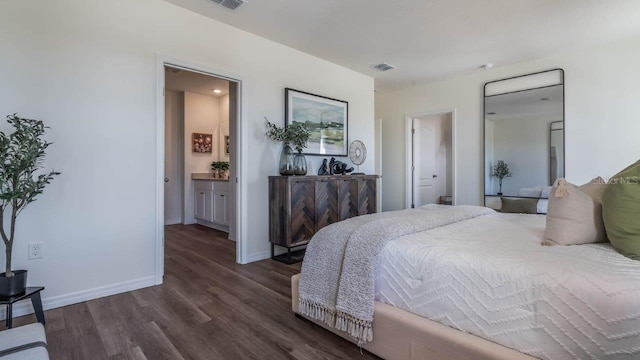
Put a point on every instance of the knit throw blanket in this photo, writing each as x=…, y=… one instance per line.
x=338, y=273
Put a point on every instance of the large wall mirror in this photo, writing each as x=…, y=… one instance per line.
x=523, y=136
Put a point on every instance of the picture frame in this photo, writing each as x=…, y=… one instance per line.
x=202, y=143
x=326, y=118
x=226, y=144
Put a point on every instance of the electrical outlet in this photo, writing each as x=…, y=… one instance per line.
x=35, y=250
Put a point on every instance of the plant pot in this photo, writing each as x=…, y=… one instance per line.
x=13, y=285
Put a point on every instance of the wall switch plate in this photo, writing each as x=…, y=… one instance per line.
x=35, y=250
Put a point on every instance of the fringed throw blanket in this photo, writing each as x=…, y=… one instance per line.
x=337, y=279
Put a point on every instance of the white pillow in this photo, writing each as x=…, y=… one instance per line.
x=543, y=204
x=533, y=192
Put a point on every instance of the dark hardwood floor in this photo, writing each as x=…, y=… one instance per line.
x=209, y=307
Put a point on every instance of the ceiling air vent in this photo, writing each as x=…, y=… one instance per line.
x=383, y=67
x=230, y=4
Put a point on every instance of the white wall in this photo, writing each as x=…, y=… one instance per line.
x=523, y=144
x=88, y=68
x=201, y=115
x=601, y=97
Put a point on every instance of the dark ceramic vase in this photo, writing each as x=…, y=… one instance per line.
x=13, y=285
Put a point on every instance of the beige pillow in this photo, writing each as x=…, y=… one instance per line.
x=574, y=214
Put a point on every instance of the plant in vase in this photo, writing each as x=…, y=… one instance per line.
x=219, y=169
x=296, y=134
x=501, y=171
x=215, y=169
x=223, y=167
x=22, y=154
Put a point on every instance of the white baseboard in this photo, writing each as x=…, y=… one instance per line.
x=259, y=256
x=172, y=222
x=24, y=307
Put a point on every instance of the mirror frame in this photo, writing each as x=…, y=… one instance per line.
x=484, y=135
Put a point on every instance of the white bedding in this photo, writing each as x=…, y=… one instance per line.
x=490, y=276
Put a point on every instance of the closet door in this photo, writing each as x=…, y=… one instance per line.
x=303, y=210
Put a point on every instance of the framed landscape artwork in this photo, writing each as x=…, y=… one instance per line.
x=202, y=143
x=326, y=118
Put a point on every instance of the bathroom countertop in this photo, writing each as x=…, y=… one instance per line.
x=205, y=176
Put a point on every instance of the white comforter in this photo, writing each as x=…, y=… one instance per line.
x=490, y=276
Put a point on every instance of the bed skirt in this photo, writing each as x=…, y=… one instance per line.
x=401, y=335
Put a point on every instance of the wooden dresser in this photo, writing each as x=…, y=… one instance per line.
x=301, y=205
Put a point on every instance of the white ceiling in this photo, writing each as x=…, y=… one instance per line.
x=182, y=80
x=429, y=39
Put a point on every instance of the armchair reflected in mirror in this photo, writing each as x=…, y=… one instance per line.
x=523, y=136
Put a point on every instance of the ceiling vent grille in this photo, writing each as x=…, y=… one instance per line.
x=230, y=4
x=383, y=67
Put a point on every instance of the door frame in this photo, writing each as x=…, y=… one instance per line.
x=409, y=152
x=239, y=146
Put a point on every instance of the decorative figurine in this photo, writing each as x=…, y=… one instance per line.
x=323, y=168
x=331, y=165
x=339, y=168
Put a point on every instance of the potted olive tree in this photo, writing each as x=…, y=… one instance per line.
x=21, y=156
x=501, y=171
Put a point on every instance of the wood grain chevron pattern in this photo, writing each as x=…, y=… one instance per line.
x=303, y=210
x=348, y=197
x=326, y=203
x=367, y=201
x=301, y=205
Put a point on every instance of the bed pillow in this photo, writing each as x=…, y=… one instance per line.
x=621, y=211
x=574, y=214
x=595, y=188
x=520, y=206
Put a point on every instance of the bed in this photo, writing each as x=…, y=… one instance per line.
x=484, y=287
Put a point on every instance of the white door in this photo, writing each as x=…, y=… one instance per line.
x=173, y=159
x=424, y=163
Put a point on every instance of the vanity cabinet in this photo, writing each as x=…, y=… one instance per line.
x=204, y=204
x=220, y=207
x=212, y=203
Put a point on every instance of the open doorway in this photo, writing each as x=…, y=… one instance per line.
x=430, y=159
x=201, y=160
